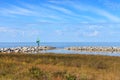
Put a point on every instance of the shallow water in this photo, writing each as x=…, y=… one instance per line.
x=58, y=44
x=62, y=51
x=61, y=45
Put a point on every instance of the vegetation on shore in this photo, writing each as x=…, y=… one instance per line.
x=58, y=67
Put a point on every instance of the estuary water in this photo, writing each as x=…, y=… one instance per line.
x=58, y=44
x=61, y=45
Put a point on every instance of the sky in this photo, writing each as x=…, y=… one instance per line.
x=60, y=20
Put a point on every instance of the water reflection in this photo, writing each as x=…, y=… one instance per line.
x=62, y=51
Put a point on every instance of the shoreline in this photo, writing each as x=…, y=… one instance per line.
x=25, y=49
x=35, y=49
x=94, y=49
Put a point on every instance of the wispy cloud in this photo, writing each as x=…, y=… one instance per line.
x=61, y=13
x=59, y=32
x=15, y=10
x=16, y=32
x=90, y=18
x=107, y=15
x=113, y=5
x=36, y=11
x=68, y=13
x=61, y=9
x=97, y=11
x=92, y=34
x=90, y=9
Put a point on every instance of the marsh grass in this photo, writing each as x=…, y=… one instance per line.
x=58, y=67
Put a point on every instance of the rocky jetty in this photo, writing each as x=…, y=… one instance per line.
x=25, y=49
x=95, y=49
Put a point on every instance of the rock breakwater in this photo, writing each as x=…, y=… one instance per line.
x=95, y=49
x=25, y=49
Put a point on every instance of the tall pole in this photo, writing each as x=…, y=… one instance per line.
x=38, y=43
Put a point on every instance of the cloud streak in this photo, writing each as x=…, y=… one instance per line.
x=91, y=9
x=53, y=12
x=15, y=32
x=15, y=10
x=99, y=12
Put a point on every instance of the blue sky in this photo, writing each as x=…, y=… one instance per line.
x=60, y=20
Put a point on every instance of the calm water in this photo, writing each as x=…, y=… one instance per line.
x=62, y=51
x=61, y=45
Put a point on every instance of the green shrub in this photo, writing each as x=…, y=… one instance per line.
x=59, y=74
x=83, y=77
x=37, y=73
x=71, y=77
x=99, y=65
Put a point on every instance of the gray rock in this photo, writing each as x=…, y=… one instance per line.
x=25, y=49
x=90, y=48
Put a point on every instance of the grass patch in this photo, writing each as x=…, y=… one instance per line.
x=58, y=67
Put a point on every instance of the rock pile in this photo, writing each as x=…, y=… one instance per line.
x=25, y=49
x=89, y=48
